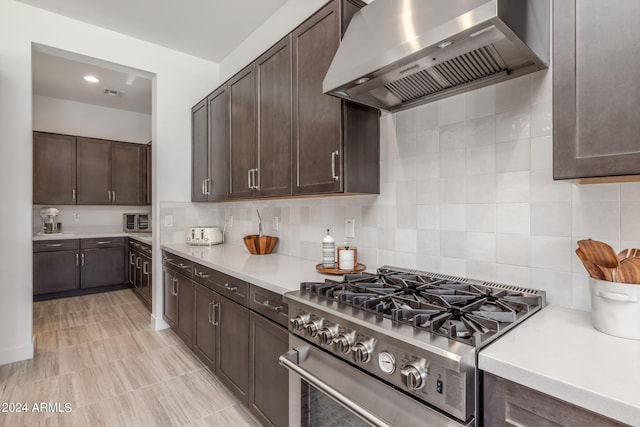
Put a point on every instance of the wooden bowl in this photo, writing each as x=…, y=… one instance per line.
x=260, y=245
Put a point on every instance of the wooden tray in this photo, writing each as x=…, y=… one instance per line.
x=359, y=267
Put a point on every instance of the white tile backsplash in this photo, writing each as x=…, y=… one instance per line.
x=466, y=189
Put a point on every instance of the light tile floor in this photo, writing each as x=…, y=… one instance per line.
x=98, y=354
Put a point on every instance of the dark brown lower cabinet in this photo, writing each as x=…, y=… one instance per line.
x=178, y=304
x=55, y=272
x=102, y=267
x=269, y=382
x=232, y=358
x=509, y=404
x=170, y=309
x=204, y=334
x=139, y=270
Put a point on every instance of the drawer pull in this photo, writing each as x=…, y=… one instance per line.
x=184, y=266
x=201, y=274
x=103, y=242
x=276, y=308
x=54, y=245
x=231, y=288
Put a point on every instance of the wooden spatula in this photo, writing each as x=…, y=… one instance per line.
x=629, y=271
x=593, y=270
x=599, y=253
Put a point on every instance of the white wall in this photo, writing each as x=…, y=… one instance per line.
x=76, y=118
x=180, y=81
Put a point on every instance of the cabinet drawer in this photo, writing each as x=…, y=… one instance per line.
x=229, y=286
x=269, y=304
x=103, y=242
x=56, y=245
x=139, y=246
x=178, y=264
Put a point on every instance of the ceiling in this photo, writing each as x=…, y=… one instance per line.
x=209, y=29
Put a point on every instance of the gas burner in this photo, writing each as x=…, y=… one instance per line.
x=461, y=309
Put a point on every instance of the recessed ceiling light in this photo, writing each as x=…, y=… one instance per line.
x=91, y=79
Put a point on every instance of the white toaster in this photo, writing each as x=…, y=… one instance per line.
x=205, y=236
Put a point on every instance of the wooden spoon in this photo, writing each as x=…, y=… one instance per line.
x=629, y=271
x=628, y=253
x=599, y=253
x=593, y=270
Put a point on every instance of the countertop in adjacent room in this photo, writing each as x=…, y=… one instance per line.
x=558, y=352
x=91, y=233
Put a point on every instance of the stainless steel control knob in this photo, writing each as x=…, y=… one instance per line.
x=342, y=344
x=414, y=377
x=327, y=334
x=299, y=321
x=361, y=352
x=312, y=327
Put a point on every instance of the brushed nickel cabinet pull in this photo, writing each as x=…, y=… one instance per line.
x=73, y=194
x=231, y=288
x=113, y=196
x=276, y=308
x=334, y=155
x=77, y=260
x=103, y=242
x=145, y=268
x=83, y=259
x=54, y=245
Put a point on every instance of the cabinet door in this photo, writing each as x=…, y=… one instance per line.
x=55, y=271
x=93, y=171
x=232, y=360
x=54, y=169
x=170, y=309
x=269, y=389
x=103, y=267
x=184, y=320
x=317, y=137
x=204, y=334
x=273, y=70
x=199, y=152
x=595, y=91
x=127, y=177
x=218, y=185
x=146, y=279
x=131, y=268
x=242, y=133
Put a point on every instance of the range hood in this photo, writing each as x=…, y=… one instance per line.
x=397, y=54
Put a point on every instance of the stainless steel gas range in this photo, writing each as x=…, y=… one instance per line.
x=395, y=348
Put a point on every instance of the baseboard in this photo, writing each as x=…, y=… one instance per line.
x=158, y=322
x=16, y=354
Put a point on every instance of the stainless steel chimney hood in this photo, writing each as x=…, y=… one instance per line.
x=397, y=54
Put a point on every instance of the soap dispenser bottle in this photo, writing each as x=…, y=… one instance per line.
x=328, y=251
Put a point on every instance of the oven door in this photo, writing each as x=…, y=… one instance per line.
x=326, y=391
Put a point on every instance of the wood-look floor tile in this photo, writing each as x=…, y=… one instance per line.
x=52, y=421
x=233, y=416
x=45, y=324
x=134, y=308
x=78, y=318
x=46, y=341
x=91, y=385
x=107, y=313
x=151, y=340
x=115, y=327
x=140, y=372
x=128, y=296
x=106, y=413
x=140, y=322
x=120, y=347
x=82, y=356
x=43, y=365
x=170, y=362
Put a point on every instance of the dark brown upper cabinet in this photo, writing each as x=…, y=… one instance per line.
x=595, y=92
x=209, y=147
x=54, y=169
x=285, y=136
x=242, y=133
x=336, y=144
x=70, y=170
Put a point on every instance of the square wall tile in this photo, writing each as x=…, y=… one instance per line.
x=545, y=189
x=513, y=275
x=513, y=156
x=581, y=294
x=452, y=217
x=512, y=94
x=453, y=244
x=557, y=284
x=428, y=141
x=552, y=253
x=452, y=163
x=630, y=191
x=630, y=220
x=452, y=189
x=428, y=166
x=541, y=153
x=541, y=119
x=481, y=160
x=406, y=216
x=428, y=191
x=481, y=217
x=513, y=249
x=427, y=116
x=405, y=193
x=596, y=193
x=481, y=102
x=513, y=125
x=429, y=242
x=428, y=217
x=387, y=239
x=551, y=219
x=513, y=218
x=452, y=137
x=481, y=131
x=428, y=263
x=596, y=220
x=513, y=187
x=481, y=247
x=406, y=121
x=451, y=110
x=406, y=145
x=481, y=188
x=481, y=270
x=406, y=240
x=541, y=86
x=453, y=266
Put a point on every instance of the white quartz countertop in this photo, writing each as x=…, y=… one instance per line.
x=558, y=352
x=93, y=234
x=277, y=273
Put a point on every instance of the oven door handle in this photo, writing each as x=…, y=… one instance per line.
x=289, y=360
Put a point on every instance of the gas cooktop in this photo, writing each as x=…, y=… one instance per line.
x=465, y=310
